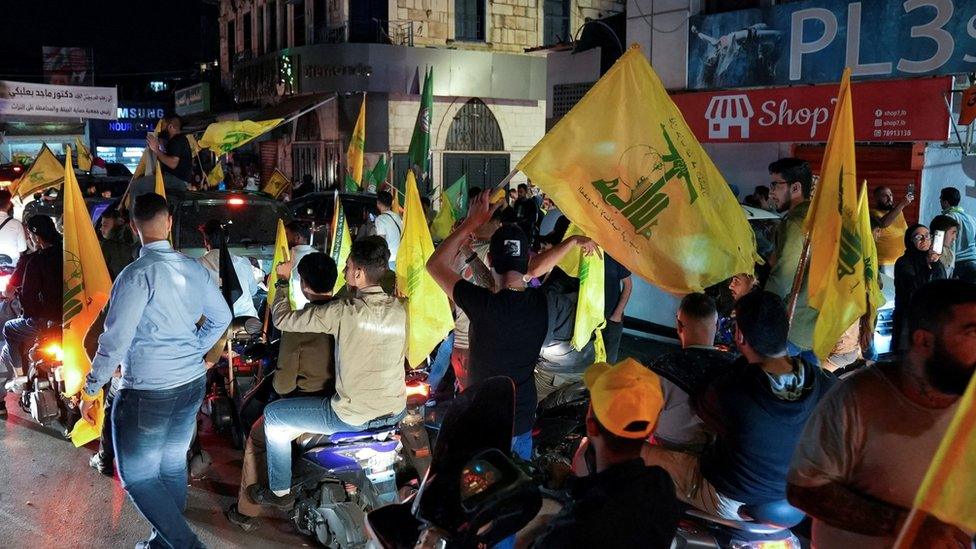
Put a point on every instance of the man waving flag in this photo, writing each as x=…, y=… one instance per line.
x=429, y=317
x=837, y=284
x=87, y=286
x=625, y=167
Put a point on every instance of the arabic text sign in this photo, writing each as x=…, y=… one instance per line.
x=49, y=101
x=893, y=110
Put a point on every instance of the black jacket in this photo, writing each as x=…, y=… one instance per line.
x=627, y=505
x=39, y=276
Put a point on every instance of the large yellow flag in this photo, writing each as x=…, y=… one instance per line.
x=626, y=168
x=86, y=291
x=443, y=223
x=44, y=173
x=84, y=155
x=948, y=488
x=339, y=242
x=836, y=279
x=357, y=147
x=223, y=137
x=429, y=317
x=281, y=255
x=276, y=184
x=869, y=255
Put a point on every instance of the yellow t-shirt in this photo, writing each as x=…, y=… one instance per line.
x=891, y=244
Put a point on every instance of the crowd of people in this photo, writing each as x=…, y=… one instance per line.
x=741, y=416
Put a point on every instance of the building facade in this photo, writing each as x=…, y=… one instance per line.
x=489, y=91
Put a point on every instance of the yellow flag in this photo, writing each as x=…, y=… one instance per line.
x=357, y=146
x=281, y=255
x=86, y=291
x=570, y=263
x=44, y=173
x=215, y=176
x=160, y=187
x=590, y=300
x=948, y=488
x=84, y=155
x=626, y=168
x=276, y=184
x=836, y=279
x=429, y=317
x=194, y=146
x=869, y=255
x=339, y=242
x=443, y=223
x=223, y=137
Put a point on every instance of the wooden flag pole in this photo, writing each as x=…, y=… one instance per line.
x=909, y=530
x=801, y=268
x=508, y=178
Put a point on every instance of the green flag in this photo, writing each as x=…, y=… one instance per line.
x=419, y=152
x=351, y=185
x=457, y=195
x=380, y=171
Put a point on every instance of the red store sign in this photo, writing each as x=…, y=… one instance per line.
x=890, y=110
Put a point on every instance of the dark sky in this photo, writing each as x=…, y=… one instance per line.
x=128, y=36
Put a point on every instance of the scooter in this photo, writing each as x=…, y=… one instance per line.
x=41, y=391
x=343, y=476
x=228, y=380
x=474, y=494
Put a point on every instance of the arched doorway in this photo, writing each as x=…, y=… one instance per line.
x=473, y=133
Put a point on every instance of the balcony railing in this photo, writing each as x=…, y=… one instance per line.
x=372, y=31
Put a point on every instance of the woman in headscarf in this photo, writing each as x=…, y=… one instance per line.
x=918, y=266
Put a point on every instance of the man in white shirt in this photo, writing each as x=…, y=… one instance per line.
x=299, y=235
x=866, y=449
x=388, y=224
x=13, y=240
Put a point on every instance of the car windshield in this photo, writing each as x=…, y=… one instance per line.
x=251, y=224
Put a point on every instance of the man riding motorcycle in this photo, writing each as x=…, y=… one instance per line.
x=37, y=280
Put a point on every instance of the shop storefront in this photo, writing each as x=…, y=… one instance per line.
x=124, y=139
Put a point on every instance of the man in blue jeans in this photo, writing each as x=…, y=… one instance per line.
x=164, y=315
x=369, y=326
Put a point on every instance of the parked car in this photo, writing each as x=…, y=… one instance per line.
x=651, y=311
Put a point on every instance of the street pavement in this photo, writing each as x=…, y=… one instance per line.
x=50, y=497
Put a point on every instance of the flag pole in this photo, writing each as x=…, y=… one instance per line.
x=801, y=268
x=508, y=178
x=909, y=530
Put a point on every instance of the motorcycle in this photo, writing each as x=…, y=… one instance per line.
x=341, y=477
x=474, y=493
x=41, y=391
x=560, y=428
x=229, y=379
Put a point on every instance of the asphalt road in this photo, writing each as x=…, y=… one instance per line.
x=50, y=497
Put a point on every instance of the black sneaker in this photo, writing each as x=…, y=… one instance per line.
x=263, y=496
x=97, y=463
x=245, y=522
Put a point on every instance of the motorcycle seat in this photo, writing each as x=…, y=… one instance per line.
x=744, y=526
x=308, y=441
x=778, y=513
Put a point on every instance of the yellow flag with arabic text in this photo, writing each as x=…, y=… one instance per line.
x=281, y=255
x=87, y=286
x=625, y=167
x=223, y=137
x=276, y=184
x=869, y=255
x=836, y=280
x=84, y=155
x=46, y=172
x=429, y=317
x=340, y=242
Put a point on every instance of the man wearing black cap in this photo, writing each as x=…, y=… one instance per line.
x=509, y=323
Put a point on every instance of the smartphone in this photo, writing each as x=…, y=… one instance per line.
x=937, y=239
x=911, y=188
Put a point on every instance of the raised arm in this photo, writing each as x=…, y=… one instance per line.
x=440, y=263
x=544, y=262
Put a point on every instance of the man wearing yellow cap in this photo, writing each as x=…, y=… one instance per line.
x=623, y=503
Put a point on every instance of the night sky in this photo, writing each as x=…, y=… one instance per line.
x=128, y=36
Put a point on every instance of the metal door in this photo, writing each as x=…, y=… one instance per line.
x=482, y=170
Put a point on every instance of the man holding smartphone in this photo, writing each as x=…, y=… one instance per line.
x=891, y=220
x=965, y=247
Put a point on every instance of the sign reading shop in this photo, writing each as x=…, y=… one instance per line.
x=893, y=110
x=813, y=40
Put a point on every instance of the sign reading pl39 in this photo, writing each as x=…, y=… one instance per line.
x=812, y=41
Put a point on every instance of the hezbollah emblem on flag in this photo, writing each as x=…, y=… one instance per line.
x=643, y=200
x=74, y=285
x=849, y=254
x=425, y=119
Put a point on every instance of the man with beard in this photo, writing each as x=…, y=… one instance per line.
x=865, y=451
x=892, y=223
x=789, y=192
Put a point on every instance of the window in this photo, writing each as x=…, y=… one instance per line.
x=272, y=25
x=231, y=44
x=469, y=20
x=248, y=30
x=298, y=20
x=556, y=22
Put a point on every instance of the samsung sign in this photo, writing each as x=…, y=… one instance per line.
x=140, y=112
x=812, y=41
x=133, y=122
